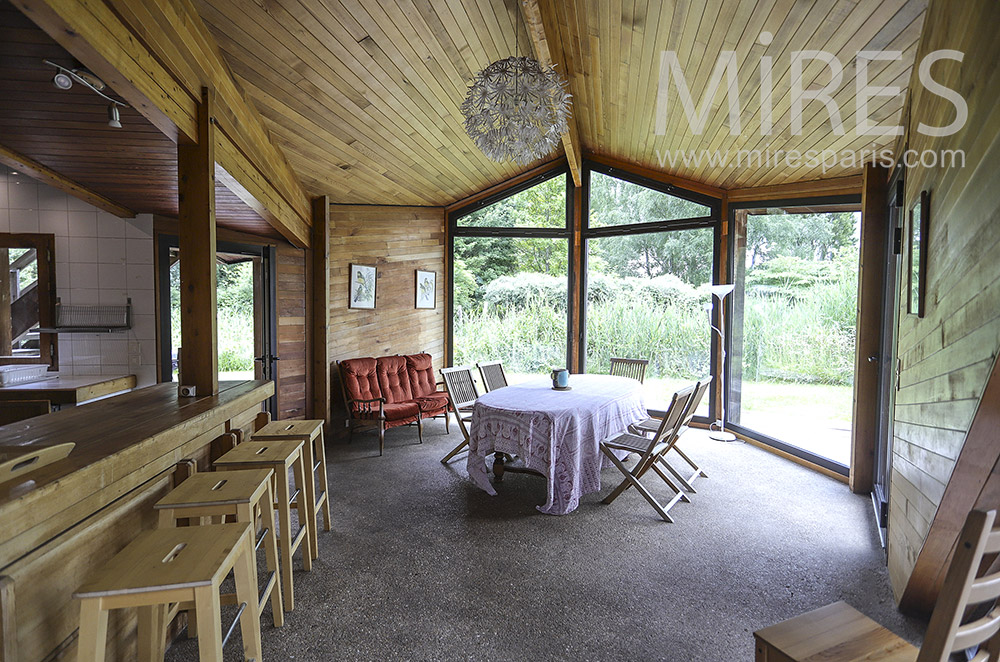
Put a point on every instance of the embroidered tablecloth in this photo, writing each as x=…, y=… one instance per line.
x=555, y=432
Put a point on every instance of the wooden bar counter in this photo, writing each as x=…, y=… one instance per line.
x=63, y=520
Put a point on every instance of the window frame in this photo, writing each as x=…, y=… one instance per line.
x=565, y=232
x=713, y=221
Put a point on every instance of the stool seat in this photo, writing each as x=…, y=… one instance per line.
x=297, y=429
x=261, y=452
x=165, y=559
x=213, y=489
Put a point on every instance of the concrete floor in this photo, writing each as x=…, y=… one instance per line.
x=422, y=565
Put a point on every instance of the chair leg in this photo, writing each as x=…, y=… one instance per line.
x=324, y=479
x=455, y=451
x=245, y=574
x=447, y=423
x=642, y=490
x=151, y=633
x=420, y=430
x=638, y=470
x=207, y=603
x=381, y=438
x=271, y=556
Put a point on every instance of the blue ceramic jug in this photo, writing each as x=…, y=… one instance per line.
x=560, y=378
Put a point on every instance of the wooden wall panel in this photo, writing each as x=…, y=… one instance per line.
x=397, y=240
x=947, y=355
x=291, y=295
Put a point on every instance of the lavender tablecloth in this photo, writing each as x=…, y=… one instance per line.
x=555, y=432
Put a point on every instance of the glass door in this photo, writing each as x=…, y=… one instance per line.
x=245, y=298
x=793, y=330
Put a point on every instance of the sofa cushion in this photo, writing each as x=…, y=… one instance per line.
x=401, y=413
x=393, y=379
x=421, y=371
x=433, y=404
x=360, y=379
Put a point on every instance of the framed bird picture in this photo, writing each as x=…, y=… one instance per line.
x=426, y=289
x=361, y=293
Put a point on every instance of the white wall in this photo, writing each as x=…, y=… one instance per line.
x=100, y=259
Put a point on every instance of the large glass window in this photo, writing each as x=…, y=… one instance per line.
x=510, y=277
x=615, y=201
x=650, y=260
x=793, y=329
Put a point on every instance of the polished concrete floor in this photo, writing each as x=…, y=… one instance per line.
x=422, y=565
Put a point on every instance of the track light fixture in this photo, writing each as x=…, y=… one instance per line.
x=65, y=78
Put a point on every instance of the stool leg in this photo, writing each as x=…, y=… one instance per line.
x=285, y=521
x=324, y=480
x=151, y=633
x=207, y=603
x=308, y=486
x=92, y=642
x=309, y=521
x=245, y=572
x=271, y=554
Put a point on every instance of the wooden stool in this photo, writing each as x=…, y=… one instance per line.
x=174, y=565
x=836, y=632
x=311, y=434
x=280, y=456
x=240, y=494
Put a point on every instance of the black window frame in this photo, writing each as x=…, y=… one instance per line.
x=759, y=437
x=713, y=221
x=565, y=232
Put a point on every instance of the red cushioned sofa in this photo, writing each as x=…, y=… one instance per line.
x=391, y=391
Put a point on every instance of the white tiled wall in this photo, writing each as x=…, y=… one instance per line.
x=100, y=259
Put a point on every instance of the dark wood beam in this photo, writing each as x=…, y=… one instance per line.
x=46, y=175
x=196, y=210
x=544, y=32
x=320, y=305
x=874, y=230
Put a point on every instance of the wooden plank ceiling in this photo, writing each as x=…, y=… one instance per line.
x=67, y=131
x=364, y=97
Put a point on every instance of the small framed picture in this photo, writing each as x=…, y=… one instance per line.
x=426, y=289
x=361, y=293
x=916, y=240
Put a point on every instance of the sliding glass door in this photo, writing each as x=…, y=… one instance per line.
x=793, y=327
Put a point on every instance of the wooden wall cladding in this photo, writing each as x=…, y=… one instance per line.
x=948, y=354
x=397, y=240
x=291, y=295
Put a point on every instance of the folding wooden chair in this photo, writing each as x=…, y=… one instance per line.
x=462, y=394
x=634, y=368
x=651, y=452
x=492, y=374
x=651, y=424
x=840, y=632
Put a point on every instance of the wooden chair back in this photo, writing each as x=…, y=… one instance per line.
x=461, y=392
x=14, y=411
x=492, y=374
x=672, y=421
x=634, y=368
x=967, y=585
x=699, y=394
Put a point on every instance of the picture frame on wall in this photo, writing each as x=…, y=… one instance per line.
x=426, y=289
x=917, y=234
x=361, y=286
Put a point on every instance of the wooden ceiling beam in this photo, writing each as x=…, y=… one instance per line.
x=47, y=175
x=544, y=32
x=158, y=57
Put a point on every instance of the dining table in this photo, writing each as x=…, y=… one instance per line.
x=556, y=433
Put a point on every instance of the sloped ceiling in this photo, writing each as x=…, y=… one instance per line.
x=363, y=97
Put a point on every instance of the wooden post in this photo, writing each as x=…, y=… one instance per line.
x=576, y=358
x=196, y=207
x=874, y=228
x=320, y=263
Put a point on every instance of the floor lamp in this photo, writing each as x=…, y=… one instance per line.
x=721, y=291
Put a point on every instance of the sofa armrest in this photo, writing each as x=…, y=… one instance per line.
x=364, y=407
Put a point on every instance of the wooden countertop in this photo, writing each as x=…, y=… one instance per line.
x=68, y=390
x=113, y=438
